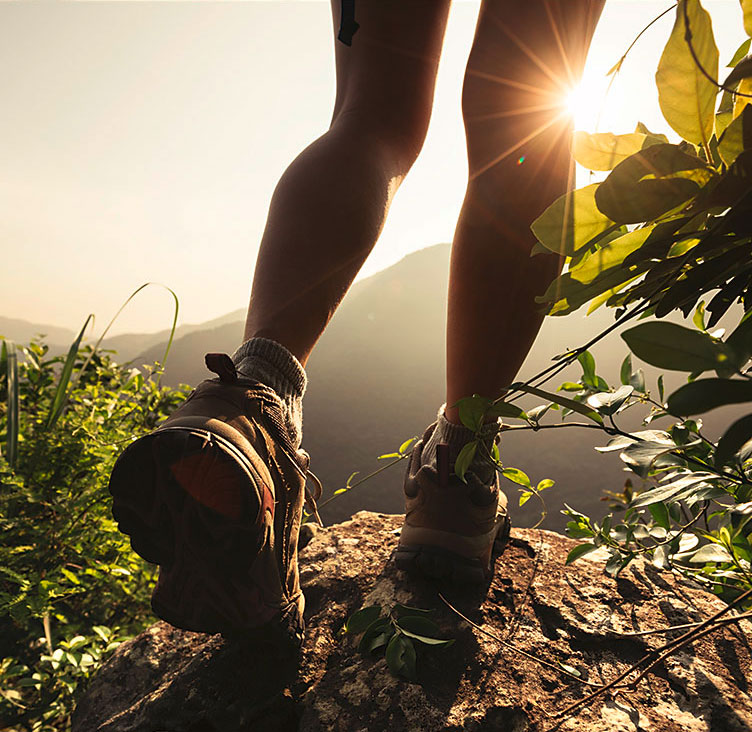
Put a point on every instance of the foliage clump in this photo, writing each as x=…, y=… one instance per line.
x=71, y=589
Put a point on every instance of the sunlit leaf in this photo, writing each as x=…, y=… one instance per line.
x=605, y=150
x=685, y=95
x=647, y=184
x=747, y=11
x=571, y=221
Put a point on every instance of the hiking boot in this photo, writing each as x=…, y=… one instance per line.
x=214, y=496
x=452, y=530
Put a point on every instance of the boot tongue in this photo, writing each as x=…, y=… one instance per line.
x=221, y=364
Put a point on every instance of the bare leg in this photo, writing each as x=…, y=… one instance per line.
x=330, y=205
x=523, y=58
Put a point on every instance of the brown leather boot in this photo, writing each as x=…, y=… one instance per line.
x=214, y=496
x=452, y=530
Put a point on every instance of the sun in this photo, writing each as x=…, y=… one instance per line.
x=584, y=102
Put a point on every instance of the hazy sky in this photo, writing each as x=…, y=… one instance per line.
x=142, y=141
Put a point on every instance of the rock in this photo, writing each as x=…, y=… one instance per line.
x=174, y=681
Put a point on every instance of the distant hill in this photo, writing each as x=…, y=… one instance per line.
x=132, y=345
x=22, y=331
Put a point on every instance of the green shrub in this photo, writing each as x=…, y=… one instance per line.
x=71, y=588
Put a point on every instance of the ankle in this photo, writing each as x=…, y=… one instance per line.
x=270, y=363
x=456, y=436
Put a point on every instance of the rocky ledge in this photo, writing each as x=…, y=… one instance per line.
x=549, y=624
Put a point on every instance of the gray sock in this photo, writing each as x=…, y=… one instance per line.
x=457, y=436
x=272, y=364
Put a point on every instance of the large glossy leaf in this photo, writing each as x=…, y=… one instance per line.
x=701, y=396
x=571, y=221
x=647, y=184
x=605, y=150
x=671, y=346
x=609, y=256
x=686, y=96
x=734, y=438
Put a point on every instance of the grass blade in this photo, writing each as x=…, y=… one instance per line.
x=10, y=359
x=120, y=310
x=58, y=402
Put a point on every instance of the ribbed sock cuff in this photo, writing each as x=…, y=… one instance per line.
x=456, y=436
x=270, y=363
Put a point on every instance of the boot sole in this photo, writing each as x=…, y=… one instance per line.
x=204, y=534
x=438, y=562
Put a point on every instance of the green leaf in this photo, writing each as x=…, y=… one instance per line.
x=604, y=150
x=588, y=366
x=711, y=553
x=671, y=346
x=505, y=409
x=361, y=619
x=58, y=402
x=731, y=142
x=400, y=656
x=699, y=316
x=672, y=489
x=685, y=95
x=349, y=480
x=640, y=457
x=560, y=400
x=660, y=388
x=703, y=395
x=421, y=629
x=742, y=70
x=637, y=380
x=402, y=449
x=608, y=402
x=534, y=415
x=734, y=438
x=747, y=11
x=659, y=512
x=516, y=476
x=740, y=340
x=650, y=183
x=473, y=410
x=10, y=359
x=740, y=52
x=571, y=221
x=464, y=459
x=376, y=635
x=525, y=496
x=544, y=484
x=580, y=551
x=626, y=369
x=570, y=669
x=570, y=386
